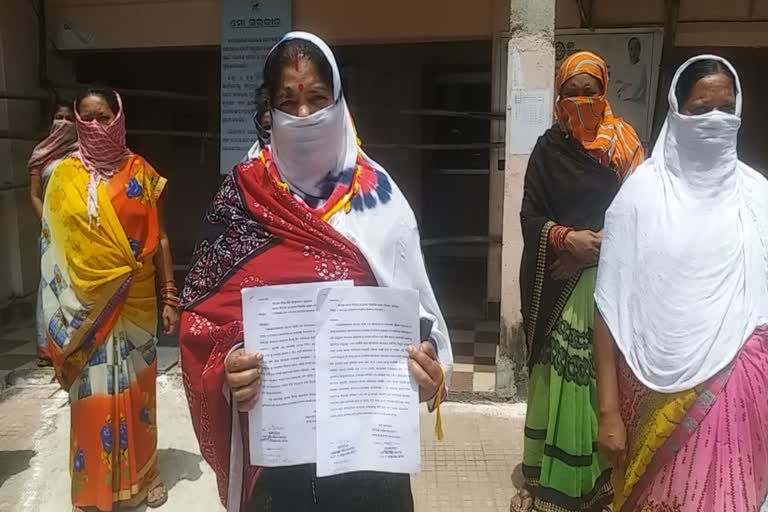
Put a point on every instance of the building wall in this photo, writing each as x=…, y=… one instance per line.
x=18, y=226
x=714, y=23
x=83, y=24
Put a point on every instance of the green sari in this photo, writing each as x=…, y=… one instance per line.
x=564, y=186
x=562, y=467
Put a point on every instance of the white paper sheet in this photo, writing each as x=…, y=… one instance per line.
x=281, y=323
x=529, y=117
x=367, y=402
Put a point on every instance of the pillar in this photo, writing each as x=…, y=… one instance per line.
x=496, y=169
x=530, y=67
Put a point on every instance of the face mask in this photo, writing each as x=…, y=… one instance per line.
x=60, y=124
x=309, y=151
x=581, y=115
x=704, y=146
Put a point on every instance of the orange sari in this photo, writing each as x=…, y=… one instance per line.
x=100, y=310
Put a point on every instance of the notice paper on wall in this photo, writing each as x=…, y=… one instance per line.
x=335, y=383
x=530, y=115
x=249, y=30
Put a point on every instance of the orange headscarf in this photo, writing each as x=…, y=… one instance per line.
x=590, y=120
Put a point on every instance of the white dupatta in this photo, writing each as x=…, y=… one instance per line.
x=683, y=275
x=384, y=229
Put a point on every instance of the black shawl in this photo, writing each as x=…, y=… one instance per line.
x=563, y=185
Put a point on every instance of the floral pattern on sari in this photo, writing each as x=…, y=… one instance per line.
x=100, y=330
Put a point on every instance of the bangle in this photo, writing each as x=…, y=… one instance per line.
x=557, y=237
x=171, y=301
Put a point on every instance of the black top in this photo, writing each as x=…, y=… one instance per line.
x=563, y=185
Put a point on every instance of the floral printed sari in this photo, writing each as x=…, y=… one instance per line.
x=100, y=311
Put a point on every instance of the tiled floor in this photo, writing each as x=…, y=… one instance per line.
x=470, y=469
x=474, y=368
x=18, y=351
x=474, y=361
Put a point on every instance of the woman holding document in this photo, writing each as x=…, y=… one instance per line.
x=311, y=207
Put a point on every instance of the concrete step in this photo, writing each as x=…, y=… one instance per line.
x=487, y=331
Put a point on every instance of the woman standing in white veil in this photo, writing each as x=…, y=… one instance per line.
x=681, y=332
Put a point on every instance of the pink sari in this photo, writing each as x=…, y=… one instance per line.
x=704, y=450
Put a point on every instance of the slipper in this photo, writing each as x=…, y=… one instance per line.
x=159, y=502
x=522, y=502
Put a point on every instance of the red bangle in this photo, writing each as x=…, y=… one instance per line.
x=557, y=237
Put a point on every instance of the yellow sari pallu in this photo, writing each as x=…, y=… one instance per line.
x=100, y=310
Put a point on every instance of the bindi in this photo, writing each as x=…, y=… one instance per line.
x=301, y=87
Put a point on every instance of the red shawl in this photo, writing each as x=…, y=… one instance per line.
x=255, y=234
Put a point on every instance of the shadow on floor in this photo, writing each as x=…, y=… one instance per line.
x=518, y=480
x=13, y=462
x=178, y=465
x=175, y=466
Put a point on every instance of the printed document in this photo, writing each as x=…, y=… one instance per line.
x=335, y=383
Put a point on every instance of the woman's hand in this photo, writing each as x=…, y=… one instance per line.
x=565, y=267
x=426, y=370
x=612, y=439
x=243, y=374
x=170, y=320
x=584, y=246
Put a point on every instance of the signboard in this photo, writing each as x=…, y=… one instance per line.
x=634, y=59
x=249, y=29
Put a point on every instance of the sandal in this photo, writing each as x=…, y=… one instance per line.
x=44, y=362
x=522, y=502
x=161, y=496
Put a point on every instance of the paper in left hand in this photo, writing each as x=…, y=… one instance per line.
x=367, y=401
x=281, y=323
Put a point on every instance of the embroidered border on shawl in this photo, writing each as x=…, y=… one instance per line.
x=538, y=288
x=561, y=302
x=538, y=285
x=216, y=260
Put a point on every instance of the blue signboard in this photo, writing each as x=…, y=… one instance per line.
x=249, y=29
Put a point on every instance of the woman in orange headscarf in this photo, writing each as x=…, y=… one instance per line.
x=573, y=174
